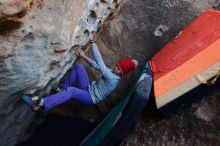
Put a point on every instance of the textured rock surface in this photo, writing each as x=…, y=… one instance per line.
x=195, y=125
x=36, y=50
x=38, y=43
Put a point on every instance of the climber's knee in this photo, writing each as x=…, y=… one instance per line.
x=78, y=65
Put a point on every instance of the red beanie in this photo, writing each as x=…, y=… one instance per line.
x=125, y=65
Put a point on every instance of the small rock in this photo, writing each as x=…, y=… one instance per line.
x=160, y=30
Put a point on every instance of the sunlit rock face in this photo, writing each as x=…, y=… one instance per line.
x=38, y=42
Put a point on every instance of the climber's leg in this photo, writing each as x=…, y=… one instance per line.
x=66, y=94
x=78, y=74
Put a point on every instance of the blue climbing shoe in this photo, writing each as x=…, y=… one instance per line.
x=32, y=102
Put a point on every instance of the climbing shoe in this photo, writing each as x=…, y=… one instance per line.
x=32, y=102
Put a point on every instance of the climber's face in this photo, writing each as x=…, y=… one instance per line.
x=116, y=70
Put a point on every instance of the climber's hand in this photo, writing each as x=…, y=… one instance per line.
x=91, y=38
x=81, y=54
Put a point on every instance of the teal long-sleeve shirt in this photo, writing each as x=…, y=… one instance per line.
x=106, y=83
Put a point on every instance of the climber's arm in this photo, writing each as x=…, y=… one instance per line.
x=98, y=59
x=90, y=61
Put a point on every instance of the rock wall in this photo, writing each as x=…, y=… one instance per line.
x=39, y=40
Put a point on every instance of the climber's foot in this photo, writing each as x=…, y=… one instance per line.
x=35, y=103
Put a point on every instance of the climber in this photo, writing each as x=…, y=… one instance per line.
x=86, y=93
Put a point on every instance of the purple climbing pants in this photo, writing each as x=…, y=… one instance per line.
x=81, y=94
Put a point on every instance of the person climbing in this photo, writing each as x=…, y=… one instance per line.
x=86, y=92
